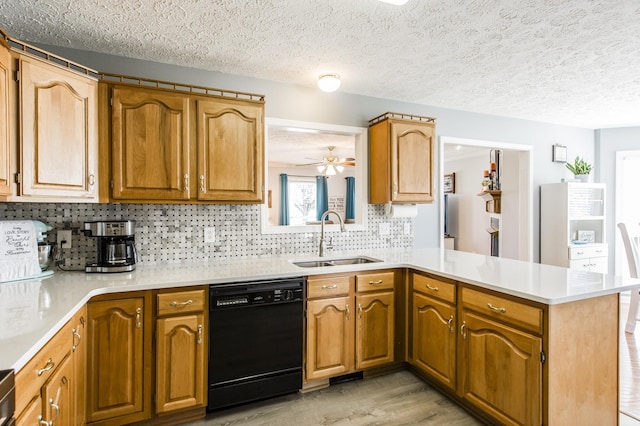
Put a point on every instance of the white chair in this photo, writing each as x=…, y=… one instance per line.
x=631, y=239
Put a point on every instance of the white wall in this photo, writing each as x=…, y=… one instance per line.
x=288, y=101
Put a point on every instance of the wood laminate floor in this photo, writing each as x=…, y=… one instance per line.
x=394, y=399
x=629, y=367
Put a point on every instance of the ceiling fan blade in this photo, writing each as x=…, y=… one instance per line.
x=309, y=164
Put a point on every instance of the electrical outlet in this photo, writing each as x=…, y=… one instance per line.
x=407, y=229
x=64, y=235
x=384, y=228
x=210, y=234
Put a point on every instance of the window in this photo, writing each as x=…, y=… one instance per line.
x=302, y=200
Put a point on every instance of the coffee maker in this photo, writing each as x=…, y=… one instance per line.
x=116, y=245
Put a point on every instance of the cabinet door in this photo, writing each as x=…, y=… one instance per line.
x=434, y=338
x=59, y=133
x=57, y=396
x=180, y=363
x=32, y=414
x=150, y=145
x=79, y=357
x=330, y=326
x=411, y=161
x=374, y=331
x=115, y=373
x=500, y=370
x=5, y=119
x=230, y=151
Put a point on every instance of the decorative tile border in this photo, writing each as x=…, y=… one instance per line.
x=175, y=233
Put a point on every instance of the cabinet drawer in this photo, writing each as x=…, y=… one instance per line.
x=435, y=288
x=585, y=252
x=37, y=371
x=505, y=310
x=181, y=302
x=328, y=287
x=375, y=282
x=592, y=264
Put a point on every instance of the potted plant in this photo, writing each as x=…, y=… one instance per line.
x=580, y=169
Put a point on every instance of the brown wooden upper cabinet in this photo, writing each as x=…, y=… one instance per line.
x=5, y=140
x=48, y=126
x=401, y=158
x=173, y=145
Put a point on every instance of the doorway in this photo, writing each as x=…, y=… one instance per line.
x=627, y=203
x=467, y=219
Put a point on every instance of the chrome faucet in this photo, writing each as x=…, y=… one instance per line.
x=322, y=218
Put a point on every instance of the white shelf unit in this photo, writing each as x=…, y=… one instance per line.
x=565, y=209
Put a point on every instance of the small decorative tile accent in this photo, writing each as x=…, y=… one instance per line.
x=168, y=233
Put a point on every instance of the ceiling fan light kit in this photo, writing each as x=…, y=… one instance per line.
x=329, y=82
x=331, y=163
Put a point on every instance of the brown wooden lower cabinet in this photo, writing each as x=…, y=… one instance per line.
x=48, y=387
x=350, y=323
x=434, y=338
x=181, y=356
x=500, y=370
x=513, y=361
x=119, y=354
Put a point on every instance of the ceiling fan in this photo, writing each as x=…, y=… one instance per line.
x=331, y=162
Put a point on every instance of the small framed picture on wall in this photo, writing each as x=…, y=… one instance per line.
x=559, y=154
x=449, y=184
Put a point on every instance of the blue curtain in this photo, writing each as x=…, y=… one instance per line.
x=322, y=196
x=350, y=198
x=284, y=199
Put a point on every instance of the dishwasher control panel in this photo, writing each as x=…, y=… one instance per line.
x=258, y=293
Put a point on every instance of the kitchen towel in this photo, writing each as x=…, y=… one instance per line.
x=400, y=210
x=18, y=250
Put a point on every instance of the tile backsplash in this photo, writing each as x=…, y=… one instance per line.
x=175, y=232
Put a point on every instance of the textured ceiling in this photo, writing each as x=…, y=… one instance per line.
x=574, y=62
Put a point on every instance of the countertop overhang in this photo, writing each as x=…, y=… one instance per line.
x=32, y=311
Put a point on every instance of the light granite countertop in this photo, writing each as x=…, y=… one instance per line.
x=32, y=311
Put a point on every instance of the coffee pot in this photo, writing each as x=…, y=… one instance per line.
x=115, y=245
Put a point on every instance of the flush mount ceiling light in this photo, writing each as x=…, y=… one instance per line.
x=395, y=2
x=329, y=82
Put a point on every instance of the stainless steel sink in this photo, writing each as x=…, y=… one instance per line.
x=313, y=264
x=335, y=262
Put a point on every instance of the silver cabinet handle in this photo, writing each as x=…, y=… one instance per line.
x=48, y=366
x=176, y=304
x=55, y=405
x=463, y=330
x=496, y=309
x=359, y=311
x=199, y=334
x=186, y=182
x=92, y=180
x=202, y=188
x=432, y=288
x=75, y=334
x=43, y=422
x=329, y=287
x=450, y=324
x=138, y=317
x=375, y=282
x=346, y=312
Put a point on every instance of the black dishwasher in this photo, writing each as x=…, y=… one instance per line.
x=255, y=340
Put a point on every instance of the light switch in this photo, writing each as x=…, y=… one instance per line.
x=210, y=234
